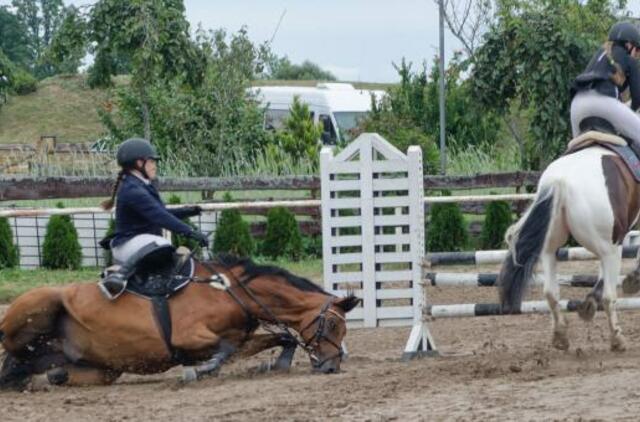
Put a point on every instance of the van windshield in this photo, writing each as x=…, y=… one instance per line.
x=347, y=121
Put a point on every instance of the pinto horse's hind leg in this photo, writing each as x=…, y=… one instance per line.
x=552, y=294
x=610, y=269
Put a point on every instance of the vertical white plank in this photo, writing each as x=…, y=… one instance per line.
x=368, y=246
x=326, y=156
x=416, y=218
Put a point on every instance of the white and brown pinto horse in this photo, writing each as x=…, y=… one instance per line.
x=592, y=196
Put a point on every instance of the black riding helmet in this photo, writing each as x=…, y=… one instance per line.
x=623, y=32
x=135, y=149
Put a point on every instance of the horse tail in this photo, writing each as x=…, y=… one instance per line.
x=30, y=316
x=526, y=239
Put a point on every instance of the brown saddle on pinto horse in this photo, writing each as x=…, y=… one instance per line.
x=598, y=131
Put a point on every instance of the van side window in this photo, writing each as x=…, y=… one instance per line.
x=329, y=135
x=274, y=119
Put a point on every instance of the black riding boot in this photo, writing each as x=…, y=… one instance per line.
x=114, y=284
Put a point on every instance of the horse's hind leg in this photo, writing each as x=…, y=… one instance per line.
x=77, y=375
x=14, y=373
x=610, y=263
x=552, y=294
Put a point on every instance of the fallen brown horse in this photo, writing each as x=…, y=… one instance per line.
x=79, y=338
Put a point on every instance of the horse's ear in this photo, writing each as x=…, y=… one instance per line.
x=348, y=303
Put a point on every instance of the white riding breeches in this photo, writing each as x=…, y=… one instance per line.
x=593, y=104
x=123, y=252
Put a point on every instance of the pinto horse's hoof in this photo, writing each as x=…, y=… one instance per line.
x=631, y=283
x=560, y=340
x=587, y=309
x=618, y=343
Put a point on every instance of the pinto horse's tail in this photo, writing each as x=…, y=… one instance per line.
x=526, y=239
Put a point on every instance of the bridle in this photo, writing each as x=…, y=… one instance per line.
x=321, y=334
x=309, y=346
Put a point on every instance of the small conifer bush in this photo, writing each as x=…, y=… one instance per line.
x=497, y=220
x=178, y=240
x=108, y=255
x=283, y=237
x=233, y=234
x=447, y=230
x=9, y=257
x=61, y=249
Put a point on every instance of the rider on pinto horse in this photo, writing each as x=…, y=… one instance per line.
x=599, y=89
x=140, y=214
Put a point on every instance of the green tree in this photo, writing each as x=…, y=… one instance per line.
x=13, y=38
x=529, y=58
x=497, y=220
x=41, y=18
x=282, y=68
x=447, y=230
x=9, y=257
x=283, y=236
x=69, y=45
x=300, y=137
x=154, y=35
x=216, y=123
x=61, y=249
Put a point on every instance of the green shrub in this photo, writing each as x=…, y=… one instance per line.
x=497, y=220
x=283, y=235
x=23, y=82
x=447, y=229
x=61, y=249
x=8, y=252
x=108, y=255
x=312, y=246
x=178, y=240
x=233, y=234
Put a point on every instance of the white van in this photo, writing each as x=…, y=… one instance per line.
x=338, y=106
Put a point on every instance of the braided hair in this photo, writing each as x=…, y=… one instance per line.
x=108, y=204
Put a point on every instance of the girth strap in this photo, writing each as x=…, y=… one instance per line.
x=162, y=315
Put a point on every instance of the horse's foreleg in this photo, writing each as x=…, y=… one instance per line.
x=262, y=342
x=552, y=294
x=610, y=270
x=211, y=367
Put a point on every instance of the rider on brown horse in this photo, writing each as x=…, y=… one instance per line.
x=140, y=214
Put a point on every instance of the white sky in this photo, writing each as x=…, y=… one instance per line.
x=357, y=40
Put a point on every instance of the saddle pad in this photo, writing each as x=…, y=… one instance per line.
x=594, y=137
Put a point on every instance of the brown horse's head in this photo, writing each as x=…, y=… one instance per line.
x=323, y=333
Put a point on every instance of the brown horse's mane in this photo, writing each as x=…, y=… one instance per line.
x=253, y=270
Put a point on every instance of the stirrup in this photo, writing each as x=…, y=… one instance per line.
x=107, y=294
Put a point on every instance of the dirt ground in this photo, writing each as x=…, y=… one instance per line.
x=491, y=368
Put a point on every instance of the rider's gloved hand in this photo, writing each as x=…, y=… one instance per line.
x=193, y=211
x=200, y=237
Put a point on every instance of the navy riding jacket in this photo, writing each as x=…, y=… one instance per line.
x=598, y=73
x=140, y=210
